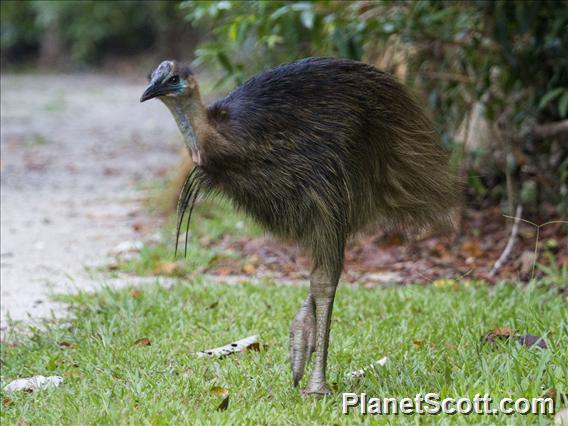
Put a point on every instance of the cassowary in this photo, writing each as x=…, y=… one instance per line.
x=315, y=151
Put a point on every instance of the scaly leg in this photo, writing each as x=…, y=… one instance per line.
x=322, y=289
x=302, y=339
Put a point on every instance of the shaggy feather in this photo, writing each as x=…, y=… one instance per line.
x=318, y=150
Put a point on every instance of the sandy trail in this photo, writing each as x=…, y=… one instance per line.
x=75, y=149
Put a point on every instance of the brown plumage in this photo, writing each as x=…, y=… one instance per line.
x=315, y=151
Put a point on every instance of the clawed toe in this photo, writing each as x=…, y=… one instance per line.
x=302, y=339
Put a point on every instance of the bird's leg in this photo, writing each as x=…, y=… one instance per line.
x=322, y=289
x=302, y=338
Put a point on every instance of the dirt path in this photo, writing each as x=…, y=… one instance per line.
x=74, y=150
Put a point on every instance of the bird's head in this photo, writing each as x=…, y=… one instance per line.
x=170, y=79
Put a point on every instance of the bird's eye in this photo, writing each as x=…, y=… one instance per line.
x=174, y=80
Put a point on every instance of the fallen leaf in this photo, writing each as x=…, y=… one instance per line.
x=224, y=404
x=65, y=345
x=218, y=390
x=472, y=248
x=529, y=340
x=253, y=347
x=421, y=343
x=6, y=401
x=136, y=293
x=502, y=333
x=167, y=268
x=249, y=268
x=144, y=341
x=505, y=333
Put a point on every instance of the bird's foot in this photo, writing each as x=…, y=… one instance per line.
x=302, y=339
x=317, y=389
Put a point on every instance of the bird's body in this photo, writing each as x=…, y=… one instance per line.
x=323, y=147
x=316, y=151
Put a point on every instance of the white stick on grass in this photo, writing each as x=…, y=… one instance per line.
x=33, y=383
x=237, y=346
x=359, y=373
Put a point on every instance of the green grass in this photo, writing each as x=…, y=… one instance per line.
x=109, y=380
x=213, y=219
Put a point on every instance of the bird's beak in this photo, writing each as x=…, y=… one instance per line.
x=151, y=91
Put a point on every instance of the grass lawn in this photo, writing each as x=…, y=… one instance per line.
x=431, y=337
x=430, y=334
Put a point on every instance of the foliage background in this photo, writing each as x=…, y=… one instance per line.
x=494, y=74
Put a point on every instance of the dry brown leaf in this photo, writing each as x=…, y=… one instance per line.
x=499, y=333
x=218, y=390
x=249, y=268
x=167, y=268
x=6, y=401
x=472, y=248
x=253, y=347
x=421, y=343
x=144, y=341
x=64, y=345
x=136, y=293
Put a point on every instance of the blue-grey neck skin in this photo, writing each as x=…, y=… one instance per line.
x=182, y=114
x=184, y=123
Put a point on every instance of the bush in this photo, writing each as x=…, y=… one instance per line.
x=499, y=66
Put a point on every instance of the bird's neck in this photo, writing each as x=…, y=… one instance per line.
x=191, y=118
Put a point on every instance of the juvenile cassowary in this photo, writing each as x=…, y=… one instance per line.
x=314, y=151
